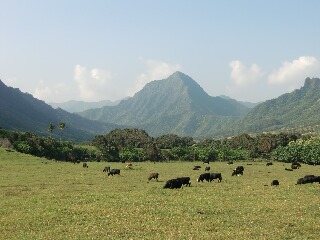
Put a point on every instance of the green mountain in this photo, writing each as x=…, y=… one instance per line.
x=80, y=106
x=247, y=104
x=174, y=105
x=22, y=112
x=300, y=108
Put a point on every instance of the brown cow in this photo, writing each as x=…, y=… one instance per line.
x=153, y=175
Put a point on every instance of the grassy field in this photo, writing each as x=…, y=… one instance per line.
x=42, y=199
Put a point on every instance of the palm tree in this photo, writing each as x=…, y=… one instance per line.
x=62, y=126
x=50, y=128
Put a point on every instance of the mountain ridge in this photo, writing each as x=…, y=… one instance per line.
x=22, y=112
x=299, y=108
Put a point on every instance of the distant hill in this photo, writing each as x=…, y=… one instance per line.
x=247, y=104
x=80, y=106
x=174, y=105
x=22, y=112
x=300, y=108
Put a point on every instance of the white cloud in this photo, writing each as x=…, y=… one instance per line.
x=92, y=84
x=50, y=94
x=292, y=73
x=243, y=76
x=156, y=70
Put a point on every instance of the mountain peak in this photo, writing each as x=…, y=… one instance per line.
x=312, y=82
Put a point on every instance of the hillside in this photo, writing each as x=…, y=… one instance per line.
x=300, y=108
x=73, y=106
x=22, y=112
x=174, y=105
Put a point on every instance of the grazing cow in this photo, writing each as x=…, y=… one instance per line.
x=294, y=166
x=173, y=183
x=209, y=177
x=207, y=169
x=106, y=169
x=114, y=172
x=230, y=163
x=275, y=183
x=269, y=164
x=204, y=176
x=206, y=161
x=85, y=165
x=309, y=179
x=216, y=176
x=153, y=175
x=288, y=169
x=185, y=181
x=238, y=171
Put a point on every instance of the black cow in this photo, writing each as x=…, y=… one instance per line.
x=173, y=183
x=230, y=163
x=106, y=169
x=85, y=165
x=269, y=164
x=216, y=176
x=114, y=172
x=209, y=177
x=196, y=167
x=238, y=171
x=207, y=169
x=204, y=176
x=275, y=183
x=206, y=161
x=153, y=175
x=185, y=181
x=309, y=179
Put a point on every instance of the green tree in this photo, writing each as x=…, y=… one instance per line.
x=50, y=128
x=62, y=126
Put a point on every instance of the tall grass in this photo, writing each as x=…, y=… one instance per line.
x=43, y=199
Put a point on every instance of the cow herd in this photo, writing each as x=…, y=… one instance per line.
x=179, y=182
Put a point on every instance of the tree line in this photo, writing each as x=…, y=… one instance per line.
x=135, y=145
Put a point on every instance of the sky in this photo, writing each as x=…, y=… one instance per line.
x=92, y=50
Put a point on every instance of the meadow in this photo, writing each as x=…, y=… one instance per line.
x=46, y=199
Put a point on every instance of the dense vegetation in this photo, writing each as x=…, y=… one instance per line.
x=135, y=145
x=47, y=147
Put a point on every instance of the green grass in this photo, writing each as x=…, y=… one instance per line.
x=43, y=199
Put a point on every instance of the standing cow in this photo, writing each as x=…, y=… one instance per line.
x=106, y=169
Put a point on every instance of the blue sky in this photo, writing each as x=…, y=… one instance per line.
x=96, y=50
